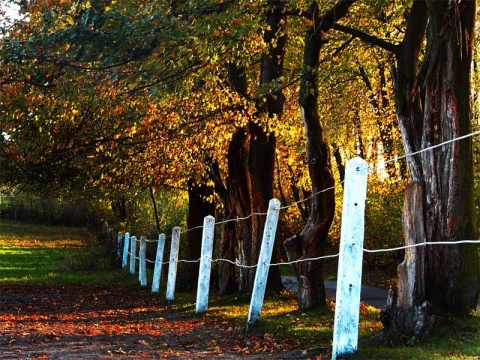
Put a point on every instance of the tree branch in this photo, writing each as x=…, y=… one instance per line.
x=370, y=39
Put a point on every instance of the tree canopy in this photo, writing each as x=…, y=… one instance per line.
x=239, y=101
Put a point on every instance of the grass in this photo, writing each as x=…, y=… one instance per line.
x=451, y=338
x=459, y=339
x=43, y=255
x=35, y=254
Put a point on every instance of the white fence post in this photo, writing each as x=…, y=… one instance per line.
x=205, y=264
x=349, y=279
x=172, y=265
x=265, y=256
x=126, y=245
x=157, y=272
x=142, y=267
x=133, y=253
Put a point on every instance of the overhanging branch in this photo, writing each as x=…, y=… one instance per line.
x=370, y=39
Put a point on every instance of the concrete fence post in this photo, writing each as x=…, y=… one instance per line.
x=172, y=265
x=142, y=267
x=133, y=254
x=263, y=265
x=157, y=272
x=126, y=245
x=205, y=264
x=349, y=279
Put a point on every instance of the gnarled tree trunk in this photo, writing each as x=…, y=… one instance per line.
x=239, y=198
x=261, y=159
x=439, y=201
x=311, y=241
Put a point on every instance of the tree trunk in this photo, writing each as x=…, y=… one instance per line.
x=155, y=210
x=311, y=241
x=452, y=282
x=303, y=206
x=261, y=162
x=338, y=160
x=238, y=184
x=199, y=206
x=119, y=206
x=227, y=282
x=439, y=202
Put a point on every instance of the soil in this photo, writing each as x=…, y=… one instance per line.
x=111, y=322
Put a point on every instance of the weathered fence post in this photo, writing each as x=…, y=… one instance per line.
x=142, y=267
x=157, y=272
x=126, y=245
x=205, y=264
x=133, y=253
x=263, y=265
x=349, y=279
x=172, y=265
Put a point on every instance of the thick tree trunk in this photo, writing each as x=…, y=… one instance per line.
x=261, y=162
x=227, y=279
x=198, y=207
x=236, y=198
x=452, y=282
x=227, y=282
x=238, y=184
x=439, y=201
x=311, y=241
x=261, y=167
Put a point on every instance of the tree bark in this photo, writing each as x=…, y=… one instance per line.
x=199, y=206
x=452, y=282
x=261, y=162
x=227, y=279
x=311, y=241
x=439, y=202
x=238, y=184
x=227, y=282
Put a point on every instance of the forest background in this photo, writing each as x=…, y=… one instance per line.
x=149, y=116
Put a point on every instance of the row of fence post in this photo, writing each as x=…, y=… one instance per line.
x=347, y=306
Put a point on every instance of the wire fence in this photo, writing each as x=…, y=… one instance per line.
x=237, y=263
x=333, y=188
x=350, y=255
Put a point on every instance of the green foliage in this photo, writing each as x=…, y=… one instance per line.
x=172, y=207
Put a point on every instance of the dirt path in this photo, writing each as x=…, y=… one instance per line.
x=38, y=322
